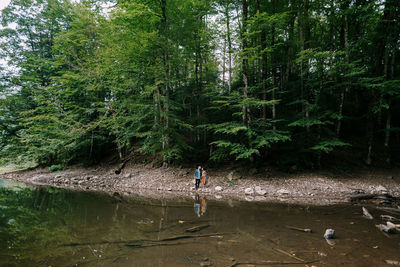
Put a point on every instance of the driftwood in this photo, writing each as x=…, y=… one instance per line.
x=197, y=228
x=389, y=218
x=299, y=229
x=288, y=254
x=92, y=243
x=187, y=236
x=385, y=198
x=390, y=210
x=358, y=197
x=266, y=263
x=122, y=165
x=367, y=214
x=139, y=241
x=155, y=245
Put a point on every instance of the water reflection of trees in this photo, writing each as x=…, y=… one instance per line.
x=27, y=217
x=36, y=225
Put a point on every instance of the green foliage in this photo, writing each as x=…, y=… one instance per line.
x=26, y=218
x=329, y=145
x=55, y=168
x=196, y=81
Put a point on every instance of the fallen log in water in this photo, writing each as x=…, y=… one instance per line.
x=390, y=210
x=188, y=236
x=288, y=254
x=357, y=197
x=383, y=197
x=197, y=228
x=141, y=241
x=266, y=263
x=156, y=244
x=306, y=230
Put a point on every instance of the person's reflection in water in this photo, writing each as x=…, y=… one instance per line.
x=203, y=205
x=200, y=207
x=197, y=206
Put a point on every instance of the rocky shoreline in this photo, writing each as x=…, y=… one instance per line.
x=265, y=186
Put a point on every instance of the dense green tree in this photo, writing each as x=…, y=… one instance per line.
x=281, y=82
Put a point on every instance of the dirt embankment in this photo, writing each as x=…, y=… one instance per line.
x=318, y=188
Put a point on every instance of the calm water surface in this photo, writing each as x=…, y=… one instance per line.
x=53, y=227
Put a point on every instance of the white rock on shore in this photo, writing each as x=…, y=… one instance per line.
x=283, y=192
x=260, y=191
x=382, y=189
x=249, y=191
x=218, y=189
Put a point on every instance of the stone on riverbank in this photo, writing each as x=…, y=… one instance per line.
x=382, y=189
x=233, y=175
x=218, y=189
x=260, y=191
x=283, y=192
x=249, y=191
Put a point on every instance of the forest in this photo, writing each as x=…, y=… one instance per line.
x=290, y=83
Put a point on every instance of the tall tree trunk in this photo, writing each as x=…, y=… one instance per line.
x=167, y=69
x=228, y=37
x=387, y=26
x=304, y=35
x=301, y=37
x=345, y=89
x=389, y=103
x=264, y=61
x=224, y=63
x=273, y=72
x=245, y=64
x=289, y=52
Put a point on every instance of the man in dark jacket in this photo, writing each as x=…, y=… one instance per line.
x=197, y=176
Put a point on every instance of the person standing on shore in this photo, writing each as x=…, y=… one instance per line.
x=197, y=176
x=204, y=177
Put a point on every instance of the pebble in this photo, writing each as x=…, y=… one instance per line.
x=283, y=191
x=260, y=191
x=249, y=191
x=329, y=234
x=382, y=189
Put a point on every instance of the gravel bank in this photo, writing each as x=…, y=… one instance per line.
x=317, y=188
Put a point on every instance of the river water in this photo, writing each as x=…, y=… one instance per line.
x=55, y=227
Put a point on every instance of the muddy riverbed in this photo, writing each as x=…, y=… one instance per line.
x=46, y=226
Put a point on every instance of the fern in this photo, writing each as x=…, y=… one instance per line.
x=329, y=145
